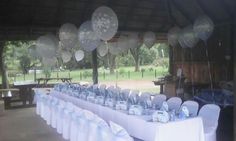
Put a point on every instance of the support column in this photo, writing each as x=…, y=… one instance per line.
x=5, y=84
x=95, y=66
x=234, y=66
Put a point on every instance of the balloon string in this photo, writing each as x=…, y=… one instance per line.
x=192, y=72
x=209, y=69
x=182, y=64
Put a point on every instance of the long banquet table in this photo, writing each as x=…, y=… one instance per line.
x=139, y=126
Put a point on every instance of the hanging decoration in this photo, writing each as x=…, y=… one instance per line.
x=79, y=55
x=68, y=35
x=189, y=37
x=104, y=23
x=102, y=49
x=122, y=43
x=203, y=27
x=149, y=39
x=66, y=56
x=113, y=49
x=87, y=37
x=133, y=40
x=173, y=36
x=45, y=46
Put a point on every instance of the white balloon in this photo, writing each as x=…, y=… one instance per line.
x=102, y=49
x=149, y=39
x=66, y=56
x=181, y=39
x=113, y=49
x=122, y=43
x=32, y=51
x=203, y=27
x=133, y=40
x=79, y=55
x=68, y=35
x=87, y=37
x=45, y=46
x=104, y=23
x=189, y=36
x=173, y=36
x=49, y=61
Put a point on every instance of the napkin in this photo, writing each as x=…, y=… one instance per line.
x=164, y=106
x=184, y=112
x=160, y=116
x=136, y=110
x=121, y=105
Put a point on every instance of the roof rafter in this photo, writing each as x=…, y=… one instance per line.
x=129, y=13
x=170, y=13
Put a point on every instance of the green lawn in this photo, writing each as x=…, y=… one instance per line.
x=123, y=73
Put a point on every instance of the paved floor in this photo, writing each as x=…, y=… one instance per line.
x=25, y=125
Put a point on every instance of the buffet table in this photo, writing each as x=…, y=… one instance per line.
x=141, y=127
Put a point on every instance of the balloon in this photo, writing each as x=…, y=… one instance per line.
x=49, y=61
x=32, y=51
x=66, y=56
x=189, y=36
x=122, y=43
x=104, y=23
x=173, y=36
x=149, y=39
x=87, y=37
x=133, y=40
x=45, y=46
x=79, y=55
x=181, y=39
x=68, y=35
x=203, y=27
x=102, y=49
x=113, y=49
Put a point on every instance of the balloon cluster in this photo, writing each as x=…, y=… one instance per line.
x=190, y=35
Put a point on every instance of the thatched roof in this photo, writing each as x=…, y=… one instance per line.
x=27, y=19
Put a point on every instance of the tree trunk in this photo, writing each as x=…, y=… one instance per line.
x=95, y=66
x=5, y=84
x=135, y=53
x=112, y=63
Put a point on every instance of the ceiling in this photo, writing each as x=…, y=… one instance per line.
x=28, y=19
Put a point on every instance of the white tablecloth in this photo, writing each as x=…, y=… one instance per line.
x=138, y=126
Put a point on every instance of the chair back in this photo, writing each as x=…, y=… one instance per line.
x=192, y=107
x=158, y=100
x=174, y=103
x=210, y=115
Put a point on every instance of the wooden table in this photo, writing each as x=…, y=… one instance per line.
x=161, y=83
x=7, y=97
x=45, y=80
x=25, y=91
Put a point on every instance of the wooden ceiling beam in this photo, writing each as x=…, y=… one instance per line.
x=206, y=11
x=129, y=13
x=182, y=10
x=173, y=19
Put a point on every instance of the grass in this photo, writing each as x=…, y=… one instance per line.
x=123, y=73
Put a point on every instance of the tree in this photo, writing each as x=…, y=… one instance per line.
x=135, y=53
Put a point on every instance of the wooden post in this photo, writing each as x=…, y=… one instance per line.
x=234, y=63
x=95, y=66
x=5, y=84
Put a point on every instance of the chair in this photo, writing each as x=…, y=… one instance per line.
x=210, y=114
x=54, y=105
x=83, y=131
x=158, y=100
x=145, y=100
x=192, y=107
x=174, y=103
x=66, y=120
x=59, y=115
x=119, y=133
x=76, y=115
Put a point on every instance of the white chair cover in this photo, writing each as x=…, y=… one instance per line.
x=84, y=121
x=192, y=107
x=48, y=109
x=210, y=114
x=119, y=133
x=78, y=112
x=54, y=105
x=158, y=100
x=94, y=126
x=174, y=103
x=66, y=120
x=59, y=115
